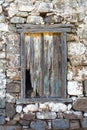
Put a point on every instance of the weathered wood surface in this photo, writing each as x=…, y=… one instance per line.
x=44, y=56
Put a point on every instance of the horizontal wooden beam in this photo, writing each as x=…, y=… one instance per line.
x=41, y=30
x=30, y=26
x=34, y=100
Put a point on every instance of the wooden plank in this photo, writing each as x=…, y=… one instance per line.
x=64, y=63
x=42, y=100
x=43, y=26
x=40, y=30
x=23, y=66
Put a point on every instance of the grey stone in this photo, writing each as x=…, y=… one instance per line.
x=2, y=18
x=35, y=20
x=22, y=14
x=74, y=124
x=2, y=112
x=2, y=120
x=72, y=115
x=46, y=115
x=0, y=9
x=29, y=116
x=6, y=4
x=38, y=125
x=12, y=10
x=24, y=122
x=80, y=104
x=2, y=103
x=26, y=8
x=18, y=20
x=60, y=124
x=10, y=110
x=13, y=87
x=84, y=123
x=45, y=7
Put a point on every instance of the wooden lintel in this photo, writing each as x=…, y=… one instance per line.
x=30, y=26
x=42, y=100
x=40, y=30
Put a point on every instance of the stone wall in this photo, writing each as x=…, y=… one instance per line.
x=48, y=115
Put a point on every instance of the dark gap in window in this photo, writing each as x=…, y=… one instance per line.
x=29, y=88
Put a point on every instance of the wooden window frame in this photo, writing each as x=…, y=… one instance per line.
x=63, y=29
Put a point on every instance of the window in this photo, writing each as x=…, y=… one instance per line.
x=43, y=62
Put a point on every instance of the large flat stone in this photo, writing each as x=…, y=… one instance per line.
x=10, y=127
x=18, y=20
x=74, y=124
x=46, y=115
x=13, y=88
x=38, y=125
x=72, y=115
x=84, y=123
x=10, y=110
x=60, y=124
x=29, y=116
x=80, y=104
x=35, y=20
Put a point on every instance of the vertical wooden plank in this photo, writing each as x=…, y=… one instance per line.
x=23, y=65
x=64, y=63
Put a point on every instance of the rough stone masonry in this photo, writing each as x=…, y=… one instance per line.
x=47, y=115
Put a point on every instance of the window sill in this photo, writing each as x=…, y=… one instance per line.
x=36, y=100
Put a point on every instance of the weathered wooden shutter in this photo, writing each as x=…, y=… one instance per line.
x=44, y=60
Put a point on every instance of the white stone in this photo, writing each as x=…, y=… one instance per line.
x=25, y=110
x=26, y=8
x=18, y=20
x=75, y=88
x=69, y=107
x=1, y=1
x=32, y=107
x=2, y=54
x=10, y=98
x=76, y=49
x=2, y=83
x=43, y=106
x=0, y=9
x=12, y=10
x=85, y=114
x=70, y=75
x=18, y=108
x=73, y=98
x=2, y=18
x=57, y=107
x=2, y=93
x=46, y=115
x=45, y=7
x=4, y=27
x=22, y=14
x=35, y=20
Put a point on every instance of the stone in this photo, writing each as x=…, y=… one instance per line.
x=24, y=122
x=29, y=116
x=25, y=110
x=16, y=117
x=22, y=14
x=10, y=110
x=2, y=18
x=4, y=27
x=2, y=112
x=80, y=104
x=35, y=20
x=38, y=125
x=45, y=7
x=53, y=19
x=12, y=10
x=5, y=127
x=6, y=5
x=11, y=122
x=2, y=83
x=72, y=115
x=60, y=124
x=32, y=108
x=2, y=54
x=13, y=87
x=0, y=9
x=2, y=93
x=84, y=123
x=74, y=124
x=18, y=108
x=60, y=115
x=72, y=37
x=46, y=115
x=1, y=2
x=2, y=103
x=75, y=88
x=18, y=20
x=2, y=120
x=85, y=114
x=9, y=0
x=58, y=107
x=76, y=49
x=10, y=98
x=26, y=8
x=69, y=107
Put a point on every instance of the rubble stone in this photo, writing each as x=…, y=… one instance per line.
x=18, y=108
x=74, y=124
x=10, y=110
x=35, y=20
x=29, y=116
x=18, y=20
x=73, y=115
x=46, y=115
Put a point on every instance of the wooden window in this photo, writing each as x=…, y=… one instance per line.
x=43, y=62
